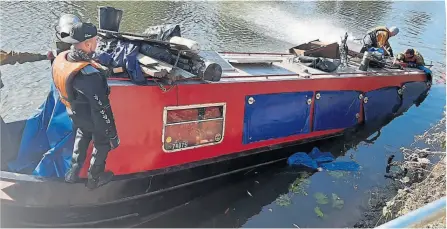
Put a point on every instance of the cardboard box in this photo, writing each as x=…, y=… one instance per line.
x=317, y=48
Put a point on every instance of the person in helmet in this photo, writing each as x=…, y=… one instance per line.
x=66, y=22
x=378, y=38
x=411, y=57
x=83, y=89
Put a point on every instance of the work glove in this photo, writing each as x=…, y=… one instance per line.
x=412, y=65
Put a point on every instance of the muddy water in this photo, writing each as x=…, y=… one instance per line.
x=257, y=27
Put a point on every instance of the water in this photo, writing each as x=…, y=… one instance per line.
x=252, y=27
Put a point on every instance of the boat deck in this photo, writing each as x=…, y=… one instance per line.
x=277, y=66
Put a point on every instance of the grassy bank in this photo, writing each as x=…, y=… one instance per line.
x=420, y=178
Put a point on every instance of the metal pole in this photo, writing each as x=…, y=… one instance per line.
x=419, y=217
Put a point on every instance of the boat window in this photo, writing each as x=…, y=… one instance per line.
x=193, y=126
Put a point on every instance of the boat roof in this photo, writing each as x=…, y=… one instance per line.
x=278, y=66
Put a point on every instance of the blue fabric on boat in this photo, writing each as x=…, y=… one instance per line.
x=411, y=92
x=277, y=115
x=117, y=53
x=425, y=69
x=47, y=140
x=302, y=159
x=321, y=157
x=381, y=103
x=336, y=110
x=380, y=50
x=341, y=165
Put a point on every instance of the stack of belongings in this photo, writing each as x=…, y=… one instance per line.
x=319, y=63
x=160, y=52
x=377, y=58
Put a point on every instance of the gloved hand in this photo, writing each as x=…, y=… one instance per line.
x=412, y=65
x=114, y=142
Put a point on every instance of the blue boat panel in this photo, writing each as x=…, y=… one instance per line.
x=273, y=116
x=410, y=93
x=381, y=103
x=336, y=109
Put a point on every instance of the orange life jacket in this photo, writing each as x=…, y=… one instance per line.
x=374, y=36
x=64, y=72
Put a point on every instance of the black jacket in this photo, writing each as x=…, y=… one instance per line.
x=90, y=104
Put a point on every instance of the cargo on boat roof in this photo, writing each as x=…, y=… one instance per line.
x=186, y=115
x=174, y=57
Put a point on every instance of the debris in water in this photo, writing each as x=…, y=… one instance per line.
x=271, y=210
x=405, y=180
x=249, y=193
x=337, y=202
x=226, y=211
x=296, y=226
x=283, y=200
x=338, y=174
x=321, y=198
x=257, y=182
x=318, y=211
x=300, y=184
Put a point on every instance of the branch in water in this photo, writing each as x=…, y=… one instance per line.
x=18, y=57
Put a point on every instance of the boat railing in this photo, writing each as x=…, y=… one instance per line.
x=407, y=72
x=419, y=217
x=256, y=53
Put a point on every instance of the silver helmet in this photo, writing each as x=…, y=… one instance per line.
x=64, y=27
x=394, y=30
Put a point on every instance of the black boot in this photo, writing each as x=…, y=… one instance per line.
x=97, y=177
x=72, y=175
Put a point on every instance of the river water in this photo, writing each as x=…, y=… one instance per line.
x=265, y=200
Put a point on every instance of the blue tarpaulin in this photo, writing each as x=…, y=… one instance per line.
x=47, y=140
x=302, y=159
x=425, y=69
x=323, y=159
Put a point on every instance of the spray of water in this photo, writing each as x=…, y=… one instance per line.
x=289, y=28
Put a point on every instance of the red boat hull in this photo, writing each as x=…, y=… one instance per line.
x=139, y=112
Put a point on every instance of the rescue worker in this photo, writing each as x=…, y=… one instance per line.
x=378, y=38
x=66, y=21
x=411, y=57
x=84, y=91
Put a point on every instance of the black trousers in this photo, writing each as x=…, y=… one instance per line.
x=101, y=149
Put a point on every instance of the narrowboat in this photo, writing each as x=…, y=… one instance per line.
x=185, y=125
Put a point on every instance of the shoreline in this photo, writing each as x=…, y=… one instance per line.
x=420, y=178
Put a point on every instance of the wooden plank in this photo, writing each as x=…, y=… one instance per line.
x=145, y=60
x=154, y=72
